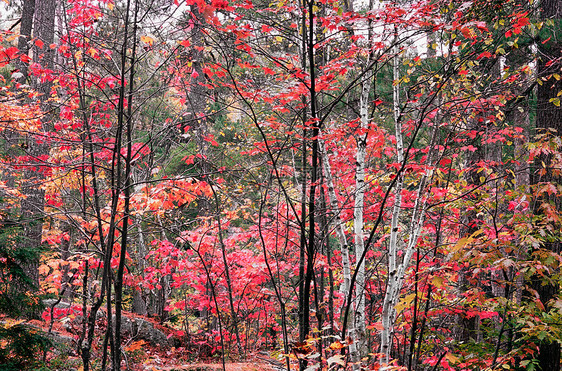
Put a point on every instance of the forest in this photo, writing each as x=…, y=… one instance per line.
x=298, y=184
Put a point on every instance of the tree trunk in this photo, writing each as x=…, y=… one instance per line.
x=26, y=25
x=139, y=303
x=32, y=206
x=358, y=225
x=549, y=120
x=196, y=94
x=388, y=307
x=233, y=314
x=338, y=224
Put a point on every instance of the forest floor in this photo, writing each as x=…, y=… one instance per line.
x=141, y=355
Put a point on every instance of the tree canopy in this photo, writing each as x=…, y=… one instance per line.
x=331, y=184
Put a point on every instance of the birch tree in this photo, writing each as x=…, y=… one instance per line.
x=359, y=205
x=391, y=298
x=397, y=268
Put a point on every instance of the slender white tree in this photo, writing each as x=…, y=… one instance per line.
x=388, y=308
x=358, y=219
x=396, y=268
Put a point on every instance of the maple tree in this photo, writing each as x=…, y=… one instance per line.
x=349, y=184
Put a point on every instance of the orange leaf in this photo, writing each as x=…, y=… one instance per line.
x=135, y=346
x=336, y=345
x=147, y=40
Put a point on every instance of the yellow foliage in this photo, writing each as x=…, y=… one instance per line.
x=19, y=118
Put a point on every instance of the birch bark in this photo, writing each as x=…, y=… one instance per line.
x=340, y=234
x=359, y=318
x=396, y=270
x=388, y=307
x=359, y=223
x=338, y=225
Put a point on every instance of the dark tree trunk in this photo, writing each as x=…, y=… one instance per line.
x=126, y=127
x=26, y=25
x=549, y=120
x=197, y=94
x=32, y=206
x=466, y=328
x=44, y=30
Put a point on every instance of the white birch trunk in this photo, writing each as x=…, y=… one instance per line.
x=387, y=317
x=358, y=223
x=397, y=271
x=396, y=280
x=342, y=240
x=338, y=224
x=359, y=317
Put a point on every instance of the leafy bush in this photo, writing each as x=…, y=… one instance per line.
x=18, y=292
x=20, y=346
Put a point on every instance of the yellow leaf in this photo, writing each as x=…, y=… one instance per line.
x=451, y=358
x=93, y=52
x=11, y=323
x=437, y=281
x=147, y=40
x=465, y=241
x=405, y=302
